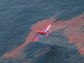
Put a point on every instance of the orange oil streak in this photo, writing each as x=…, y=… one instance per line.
x=72, y=29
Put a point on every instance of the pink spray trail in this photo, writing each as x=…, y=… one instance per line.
x=73, y=30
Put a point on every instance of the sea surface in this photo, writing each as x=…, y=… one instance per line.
x=16, y=19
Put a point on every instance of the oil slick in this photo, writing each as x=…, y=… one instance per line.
x=17, y=53
x=73, y=30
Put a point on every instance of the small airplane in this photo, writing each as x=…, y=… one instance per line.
x=45, y=31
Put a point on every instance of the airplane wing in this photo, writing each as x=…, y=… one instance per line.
x=36, y=38
x=47, y=28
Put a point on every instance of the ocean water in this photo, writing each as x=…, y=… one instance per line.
x=16, y=19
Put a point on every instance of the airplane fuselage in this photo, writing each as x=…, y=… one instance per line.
x=45, y=31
